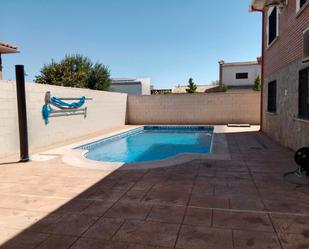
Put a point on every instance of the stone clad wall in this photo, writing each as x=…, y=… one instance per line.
x=106, y=110
x=284, y=125
x=208, y=108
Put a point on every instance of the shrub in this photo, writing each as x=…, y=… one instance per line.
x=257, y=84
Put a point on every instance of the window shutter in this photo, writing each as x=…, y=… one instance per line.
x=304, y=94
x=272, y=97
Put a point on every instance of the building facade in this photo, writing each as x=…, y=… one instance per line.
x=239, y=74
x=140, y=86
x=285, y=70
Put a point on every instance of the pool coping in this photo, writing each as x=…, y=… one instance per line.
x=76, y=157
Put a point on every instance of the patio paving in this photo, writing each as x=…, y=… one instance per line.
x=205, y=204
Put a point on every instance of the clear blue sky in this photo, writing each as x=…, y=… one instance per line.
x=167, y=40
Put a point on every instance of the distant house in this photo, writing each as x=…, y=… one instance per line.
x=200, y=88
x=131, y=86
x=239, y=74
x=285, y=70
x=6, y=48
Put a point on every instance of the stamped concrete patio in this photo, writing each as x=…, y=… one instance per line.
x=238, y=204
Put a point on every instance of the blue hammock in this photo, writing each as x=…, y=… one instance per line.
x=46, y=110
x=64, y=105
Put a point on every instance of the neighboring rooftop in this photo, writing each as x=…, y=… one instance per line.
x=244, y=63
x=6, y=48
x=129, y=80
x=123, y=79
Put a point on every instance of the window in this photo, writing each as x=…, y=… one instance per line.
x=272, y=97
x=303, y=96
x=273, y=22
x=300, y=4
x=306, y=46
x=241, y=76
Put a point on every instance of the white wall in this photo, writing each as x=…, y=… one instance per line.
x=140, y=86
x=229, y=75
x=106, y=110
x=145, y=85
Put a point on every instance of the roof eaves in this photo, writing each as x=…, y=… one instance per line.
x=6, y=48
x=257, y=5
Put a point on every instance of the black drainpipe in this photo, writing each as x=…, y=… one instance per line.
x=22, y=113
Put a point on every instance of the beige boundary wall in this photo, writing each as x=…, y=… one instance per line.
x=106, y=110
x=241, y=106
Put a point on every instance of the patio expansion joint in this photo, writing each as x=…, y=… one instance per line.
x=152, y=186
x=113, y=235
x=186, y=207
x=233, y=241
x=276, y=232
x=101, y=216
x=212, y=218
x=257, y=189
x=251, y=211
x=152, y=206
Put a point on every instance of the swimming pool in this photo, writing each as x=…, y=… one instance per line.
x=151, y=143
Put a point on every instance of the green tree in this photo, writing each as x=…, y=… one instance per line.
x=191, y=86
x=75, y=71
x=257, y=84
x=98, y=78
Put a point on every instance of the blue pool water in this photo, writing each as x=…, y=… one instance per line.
x=151, y=143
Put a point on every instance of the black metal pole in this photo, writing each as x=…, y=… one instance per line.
x=22, y=113
x=0, y=67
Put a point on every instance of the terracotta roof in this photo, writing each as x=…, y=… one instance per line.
x=7, y=45
x=6, y=48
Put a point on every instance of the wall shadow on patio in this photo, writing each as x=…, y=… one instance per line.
x=78, y=215
x=173, y=186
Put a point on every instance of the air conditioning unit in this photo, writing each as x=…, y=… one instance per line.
x=306, y=46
